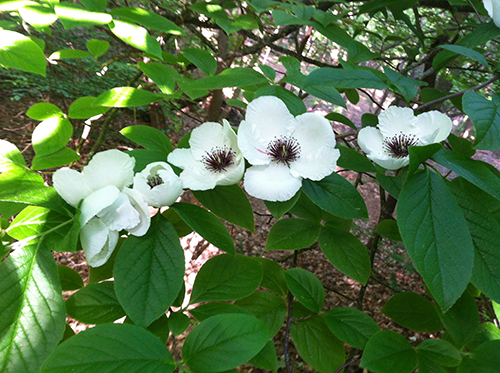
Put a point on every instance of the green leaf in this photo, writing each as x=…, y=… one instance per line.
x=202, y=59
x=389, y=352
x=369, y=120
x=484, y=359
x=105, y=272
x=440, y=352
x=32, y=314
x=219, y=334
x=274, y=276
x=353, y=160
x=419, y=154
x=10, y=157
x=68, y=54
x=327, y=77
x=414, y=312
x=306, y=288
x=388, y=228
x=20, y=52
x=266, y=358
x=85, y=107
x=44, y=110
x=267, y=307
x=207, y=310
x=487, y=331
x=336, y=117
x=149, y=272
x=436, y=236
x=462, y=320
x=38, y=15
x=346, y=253
x=337, y=196
x=95, y=304
x=241, y=77
x=292, y=234
x=162, y=75
x=472, y=170
x=206, y=225
x=97, y=47
x=178, y=322
x=317, y=345
x=226, y=277
x=115, y=347
x=461, y=145
x=51, y=135
x=294, y=104
x=391, y=184
x=95, y=5
x=73, y=15
x=143, y=157
x=229, y=203
x=147, y=19
x=148, y=137
x=269, y=72
x=467, y=52
x=137, y=37
x=351, y=326
x=126, y=97
x=307, y=209
x=485, y=115
x=58, y=158
x=70, y=279
x=406, y=86
x=278, y=209
x=179, y=225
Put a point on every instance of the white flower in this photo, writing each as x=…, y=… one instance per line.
x=108, y=206
x=158, y=184
x=212, y=159
x=493, y=9
x=284, y=149
x=398, y=128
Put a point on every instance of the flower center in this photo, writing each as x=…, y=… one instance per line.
x=154, y=180
x=218, y=159
x=397, y=145
x=284, y=150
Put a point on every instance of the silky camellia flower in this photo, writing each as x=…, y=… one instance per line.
x=107, y=206
x=493, y=9
x=284, y=149
x=158, y=184
x=398, y=128
x=212, y=159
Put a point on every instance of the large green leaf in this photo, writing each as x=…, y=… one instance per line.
x=414, y=312
x=226, y=277
x=240, y=77
x=32, y=314
x=85, y=107
x=51, y=135
x=337, y=196
x=147, y=19
x=346, y=252
x=292, y=234
x=10, y=157
x=266, y=358
x=355, y=161
x=274, y=276
x=20, y=52
x=230, y=203
x=436, y=236
x=95, y=304
x=467, y=52
x=38, y=15
x=485, y=115
x=317, y=345
x=206, y=225
x=484, y=358
x=43, y=110
x=439, y=351
x=389, y=352
x=149, y=272
x=58, y=158
x=149, y=137
x=279, y=208
x=97, y=47
x=326, y=77
x=164, y=76
x=306, y=288
x=115, y=347
x=126, y=97
x=405, y=85
x=70, y=279
x=207, y=347
x=207, y=310
x=350, y=325
x=137, y=37
x=202, y=59
x=73, y=15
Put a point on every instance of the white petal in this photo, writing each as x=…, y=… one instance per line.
x=493, y=9
x=111, y=167
x=252, y=145
x=233, y=174
x=98, y=242
x=371, y=141
x=395, y=120
x=163, y=194
x=230, y=135
x=316, y=165
x=389, y=162
x=271, y=183
x=71, y=185
x=433, y=127
x=120, y=215
x=182, y=158
x=97, y=201
x=141, y=207
x=312, y=132
x=271, y=115
x=207, y=137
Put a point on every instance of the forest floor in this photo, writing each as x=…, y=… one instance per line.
x=393, y=271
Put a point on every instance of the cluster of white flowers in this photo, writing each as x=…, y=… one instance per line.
x=280, y=148
x=109, y=205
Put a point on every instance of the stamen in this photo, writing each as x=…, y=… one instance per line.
x=284, y=150
x=154, y=180
x=397, y=145
x=218, y=159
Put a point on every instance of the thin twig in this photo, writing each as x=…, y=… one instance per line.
x=347, y=364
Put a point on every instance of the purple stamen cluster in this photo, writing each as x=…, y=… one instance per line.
x=218, y=159
x=397, y=145
x=154, y=180
x=284, y=150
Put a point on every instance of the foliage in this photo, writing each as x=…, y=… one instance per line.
x=426, y=55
